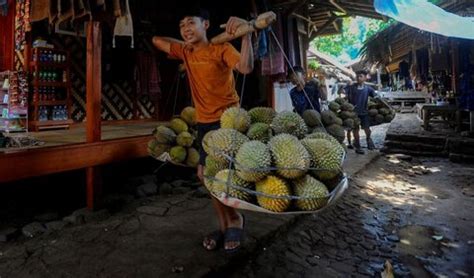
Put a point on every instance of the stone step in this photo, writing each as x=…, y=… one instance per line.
x=413, y=152
x=414, y=146
x=461, y=146
x=434, y=140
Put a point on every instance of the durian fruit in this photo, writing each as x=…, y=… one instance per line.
x=322, y=135
x=389, y=117
x=372, y=104
x=347, y=107
x=373, y=112
x=192, y=159
x=338, y=121
x=188, y=114
x=379, y=119
x=156, y=149
x=349, y=123
x=312, y=118
x=334, y=106
x=260, y=131
x=178, y=125
x=313, y=192
x=272, y=185
x=319, y=129
x=262, y=115
x=328, y=117
x=213, y=166
x=291, y=123
x=185, y=139
x=164, y=135
x=337, y=132
x=225, y=142
x=346, y=115
x=384, y=111
x=235, y=118
x=340, y=100
x=220, y=185
x=178, y=154
x=205, y=140
x=289, y=155
x=252, y=161
x=326, y=156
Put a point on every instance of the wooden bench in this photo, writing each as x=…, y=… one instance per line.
x=426, y=113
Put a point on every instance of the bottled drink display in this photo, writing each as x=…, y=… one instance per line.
x=50, y=56
x=53, y=113
x=51, y=88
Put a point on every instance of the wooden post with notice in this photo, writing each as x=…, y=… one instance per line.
x=93, y=106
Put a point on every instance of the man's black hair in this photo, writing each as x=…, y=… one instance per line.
x=364, y=72
x=195, y=11
x=297, y=68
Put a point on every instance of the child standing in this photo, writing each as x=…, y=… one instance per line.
x=210, y=73
x=358, y=95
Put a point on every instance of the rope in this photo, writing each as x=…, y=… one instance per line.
x=231, y=161
x=176, y=95
x=291, y=67
x=176, y=79
x=285, y=197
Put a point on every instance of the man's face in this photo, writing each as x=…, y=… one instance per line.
x=193, y=29
x=297, y=78
x=361, y=78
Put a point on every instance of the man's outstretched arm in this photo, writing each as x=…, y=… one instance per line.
x=164, y=43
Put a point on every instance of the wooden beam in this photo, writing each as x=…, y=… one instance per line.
x=321, y=29
x=93, y=106
x=93, y=81
x=295, y=7
x=44, y=161
x=331, y=60
x=94, y=187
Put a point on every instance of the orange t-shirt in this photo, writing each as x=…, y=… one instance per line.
x=211, y=79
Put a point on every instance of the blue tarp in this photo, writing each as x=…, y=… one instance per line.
x=426, y=16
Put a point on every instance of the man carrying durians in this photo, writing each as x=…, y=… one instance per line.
x=209, y=68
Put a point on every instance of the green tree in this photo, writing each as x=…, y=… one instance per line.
x=345, y=46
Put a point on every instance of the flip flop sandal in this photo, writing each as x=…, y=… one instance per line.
x=217, y=237
x=234, y=235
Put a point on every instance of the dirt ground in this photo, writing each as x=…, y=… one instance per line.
x=416, y=214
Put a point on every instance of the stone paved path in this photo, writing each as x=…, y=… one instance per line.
x=392, y=211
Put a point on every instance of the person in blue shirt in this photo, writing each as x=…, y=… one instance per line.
x=358, y=95
x=300, y=100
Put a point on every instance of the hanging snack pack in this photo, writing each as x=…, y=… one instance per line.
x=175, y=142
x=289, y=170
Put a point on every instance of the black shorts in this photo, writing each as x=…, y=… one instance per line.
x=202, y=129
x=364, y=121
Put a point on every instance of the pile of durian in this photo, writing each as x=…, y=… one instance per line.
x=379, y=112
x=272, y=159
x=175, y=142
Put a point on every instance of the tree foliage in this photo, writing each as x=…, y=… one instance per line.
x=355, y=31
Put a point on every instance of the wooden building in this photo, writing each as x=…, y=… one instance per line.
x=113, y=119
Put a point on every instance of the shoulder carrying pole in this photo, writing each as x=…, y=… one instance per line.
x=262, y=21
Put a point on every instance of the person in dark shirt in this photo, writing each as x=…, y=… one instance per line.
x=314, y=93
x=358, y=95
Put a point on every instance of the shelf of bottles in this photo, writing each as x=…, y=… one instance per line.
x=13, y=102
x=50, y=89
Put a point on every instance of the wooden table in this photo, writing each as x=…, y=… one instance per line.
x=404, y=98
x=427, y=111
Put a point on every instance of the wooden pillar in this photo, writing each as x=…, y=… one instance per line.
x=93, y=106
x=454, y=65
